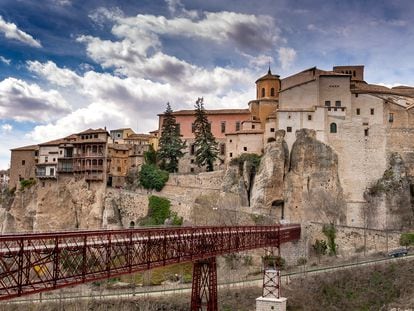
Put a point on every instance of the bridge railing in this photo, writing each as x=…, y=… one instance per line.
x=31, y=263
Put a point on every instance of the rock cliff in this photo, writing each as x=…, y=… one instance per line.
x=312, y=188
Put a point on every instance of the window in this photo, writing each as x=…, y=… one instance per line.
x=222, y=149
x=333, y=128
x=192, y=161
x=60, y=152
x=237, y=126
x=223, y=126
x=253, y=126
x=309, y=117
x=192, y=170
x=52, y=172
x=263, y=92
x=54, y=160
x=289, y=129
x=231, y=140
x=327, y=103
x=119, y=168
x=356, y=95
x=244, y=148
x=178, y=128
x=338, y=103
x=372, y=111
x=95, y=136
x=23, y=162
x=192, y=127
x=36, y=153
x=358, y=111
x=272, y=92
x=354, y=73
x=272, y=129
x=231, y=154
x=118, y=135
x=192, y=149
x=366, y=132
x=391, y=117
x=46, y=159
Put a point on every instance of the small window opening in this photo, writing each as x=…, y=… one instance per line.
x=366, y=132
x=372, y=111
x=333, y=128
x=309, y=117
x=263, y=92
x=327, y=103
x=272, y=92
x=391, y=117
x=289, y=129
x=358, y=111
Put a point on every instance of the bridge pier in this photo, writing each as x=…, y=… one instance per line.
x=204, y=287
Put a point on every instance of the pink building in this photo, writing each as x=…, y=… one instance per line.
x=222, y=121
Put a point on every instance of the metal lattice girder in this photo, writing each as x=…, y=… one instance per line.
x=204, y=287
x=32, y=263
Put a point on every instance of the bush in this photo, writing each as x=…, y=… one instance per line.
x=330, y=233
x=252, y=159
x=407, y=239
x=27, y=183
x=151, y=177
x=159, y=211
x=274, y=261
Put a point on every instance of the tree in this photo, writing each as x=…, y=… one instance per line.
x=150, y=156
x=170, y=145
x=320, y=247
x=205, y=143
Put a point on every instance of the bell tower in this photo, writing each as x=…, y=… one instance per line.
x=268, y=86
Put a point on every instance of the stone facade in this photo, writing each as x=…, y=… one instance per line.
x=22, y=164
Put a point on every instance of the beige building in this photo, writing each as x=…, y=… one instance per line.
x=22, y=164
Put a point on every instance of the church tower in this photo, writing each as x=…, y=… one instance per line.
x=267, y=98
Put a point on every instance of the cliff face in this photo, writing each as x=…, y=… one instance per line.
x=312, y=188
x=268, y=185
x=64, y=204
x=389, y=199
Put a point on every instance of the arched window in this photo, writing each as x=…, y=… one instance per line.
x=333, y=127
x=263, y=92
x=272, y=91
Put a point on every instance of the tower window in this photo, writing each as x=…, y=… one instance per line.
x=338, y=103
x=358, y=111
x=372, y=111
x=289, y=129
x=272, y=129
x=237, y=126
x=366, y=132
x=263, y=92
x=272, y=91
x=327, y=103
x=391, y=117
x=333, y=128
x=223, y=126
x=231, y=154
x=309, y=117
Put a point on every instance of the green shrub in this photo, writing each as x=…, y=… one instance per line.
x=27, y=183
x=407, y=239
x=274, y=261
x=159, y=211
x=151, y=177
x=330, y=233
x=252, y=159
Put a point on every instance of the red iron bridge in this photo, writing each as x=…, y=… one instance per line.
x=38, y=262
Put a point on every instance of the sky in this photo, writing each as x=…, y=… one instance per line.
x=70, y=65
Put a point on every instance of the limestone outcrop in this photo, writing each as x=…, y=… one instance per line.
x=312, y=188
x=389, y=199
x=268, y=185
x=52, y=205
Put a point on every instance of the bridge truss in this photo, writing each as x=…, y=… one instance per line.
x=38, y=262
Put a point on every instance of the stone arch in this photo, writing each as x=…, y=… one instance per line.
x=272, y=91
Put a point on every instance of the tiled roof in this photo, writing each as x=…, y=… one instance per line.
x=59, y=141
x=246, y=132
x=362, y=87
x=268, y=76
x=92, y=131
x=31, y=147
x=210, y=112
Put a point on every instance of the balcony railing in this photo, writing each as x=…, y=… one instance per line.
x=88, y=168
x=44, y=175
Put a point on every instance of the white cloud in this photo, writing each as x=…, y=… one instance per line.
x=49, y=70
x=7, y=127
x=5, y=60
x=286, y=57
x=11, y=31
x=21, y=101
x=176, y=8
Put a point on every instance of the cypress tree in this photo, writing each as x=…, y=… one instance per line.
x=205, y=143
x=170, y=144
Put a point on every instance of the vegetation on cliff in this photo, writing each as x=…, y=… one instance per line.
x=159, y=210
x=151, y=177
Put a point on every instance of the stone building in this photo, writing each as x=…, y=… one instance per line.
x=22, y=164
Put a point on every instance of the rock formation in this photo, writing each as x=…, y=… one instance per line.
x=268, y=185
x=389, y=199
x=312, y=188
